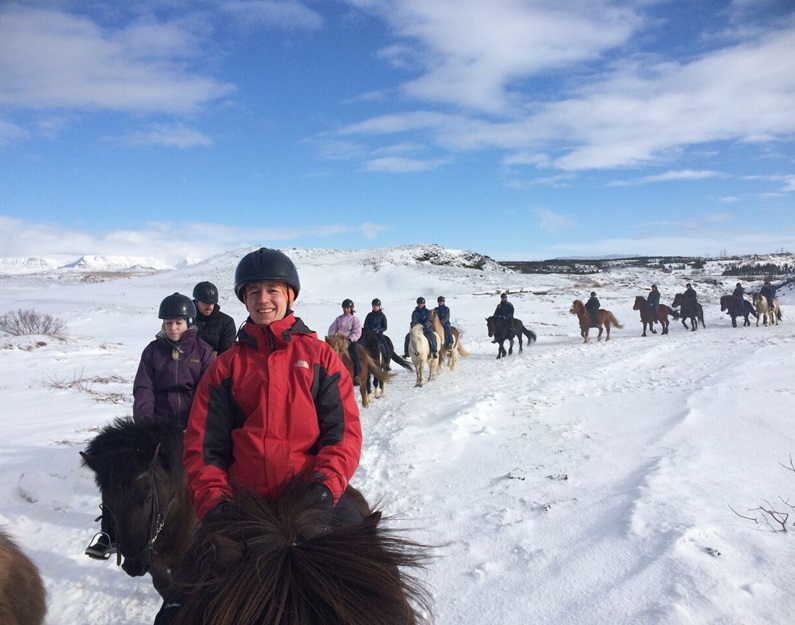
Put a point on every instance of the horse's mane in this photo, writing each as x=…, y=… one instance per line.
x=123, y=448
x=280, y=564
x=338, y=343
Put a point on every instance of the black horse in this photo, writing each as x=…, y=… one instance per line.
x=139, y=472
x=374, y=348
x=691, y=311
x=731, y=306
x=499, y=330
x=284, y=563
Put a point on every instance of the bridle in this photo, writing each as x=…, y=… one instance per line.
x=157, y=518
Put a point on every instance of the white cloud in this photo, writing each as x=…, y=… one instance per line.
x=170, y=241
x=669, y=176
x=281, y=14
x=400, y=164
x=50, y=59
x=550, y=221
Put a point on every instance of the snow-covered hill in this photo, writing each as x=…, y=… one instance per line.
x=571, y=483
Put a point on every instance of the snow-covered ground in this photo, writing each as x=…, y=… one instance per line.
x=570, y=484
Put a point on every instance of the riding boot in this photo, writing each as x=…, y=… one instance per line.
x=103, y=544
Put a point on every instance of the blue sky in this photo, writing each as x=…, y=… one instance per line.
x=519, y=129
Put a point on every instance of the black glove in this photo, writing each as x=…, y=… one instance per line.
x=222, y=512
x=318, y=494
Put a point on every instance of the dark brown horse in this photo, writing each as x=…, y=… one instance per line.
x=604, y=319
x=498, y=329
x=341, y=345
x=688, y=310
x=22, y=594
x=372, y=345
x=283, y=563
x=731, y=306
x=139, y=472
x=647, y=316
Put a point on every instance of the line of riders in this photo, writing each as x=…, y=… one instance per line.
x=350, y=326
x=690, y=296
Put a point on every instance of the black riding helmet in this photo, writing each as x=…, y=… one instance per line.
x=265, y=264
x=439, y=299
x=206, y=293
x=376, y=302
x=347, y=303
x=178, y=306
x=420, y=300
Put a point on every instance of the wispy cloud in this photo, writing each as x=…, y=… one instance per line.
x=401, y=164
x=175, y=135
x=276, y=14
x=670, y=176
x=550, y=221
x=193, y=240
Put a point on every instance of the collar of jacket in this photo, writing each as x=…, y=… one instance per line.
x=276, y=335
x=189, y=337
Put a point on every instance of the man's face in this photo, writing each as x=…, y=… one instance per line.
x=265, y=302
x=205, y=309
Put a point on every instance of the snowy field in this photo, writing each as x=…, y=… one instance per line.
x=570, y=484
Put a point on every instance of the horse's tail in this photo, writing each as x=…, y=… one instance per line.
x=531, y=336
x=378, y=373
x=613, y=320
x=461, y=351
x=402, y=361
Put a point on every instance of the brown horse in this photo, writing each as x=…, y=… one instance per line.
x=138, y=469
x=452, y=352
x=341, y=345
x=22, y=594
x=283, y=563
x=688, y=311
x=731, y=306
x=604, y=318
x=647, y=315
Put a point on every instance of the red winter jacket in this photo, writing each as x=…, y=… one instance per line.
x=278, y=403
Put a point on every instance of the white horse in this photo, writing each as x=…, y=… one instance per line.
x=420, y=352
x=771, y=316
x=451, y=353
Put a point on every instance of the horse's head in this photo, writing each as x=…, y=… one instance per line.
x=139, y=471
x=725, y=301
x=576, y=307
x=639, y=301
x=679, y=298
x=490, y=326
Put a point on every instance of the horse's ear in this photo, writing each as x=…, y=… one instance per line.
x=88, y=459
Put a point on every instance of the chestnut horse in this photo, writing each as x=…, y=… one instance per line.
x=22, y=594
x=604, y=319
x=452, y=352
x=647, y=315
x=341, y=345
x=284, y=563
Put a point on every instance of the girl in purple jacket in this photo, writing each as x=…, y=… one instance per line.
x=170, y=369
x=171, y=366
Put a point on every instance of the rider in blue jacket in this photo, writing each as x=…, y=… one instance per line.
x=443, y=313
x=422, y=316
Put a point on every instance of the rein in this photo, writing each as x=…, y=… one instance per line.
x=157, y=519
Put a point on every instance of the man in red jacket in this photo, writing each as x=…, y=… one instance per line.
x=279, y=403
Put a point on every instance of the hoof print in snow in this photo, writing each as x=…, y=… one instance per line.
x=712, y=551
x=559, y=476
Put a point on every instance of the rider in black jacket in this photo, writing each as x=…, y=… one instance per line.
x=215, y=328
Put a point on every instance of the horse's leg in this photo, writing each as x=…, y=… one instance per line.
x=643, y=321
x=651, y=323
x=607, y=331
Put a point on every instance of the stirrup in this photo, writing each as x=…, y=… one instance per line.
x=101, y=547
